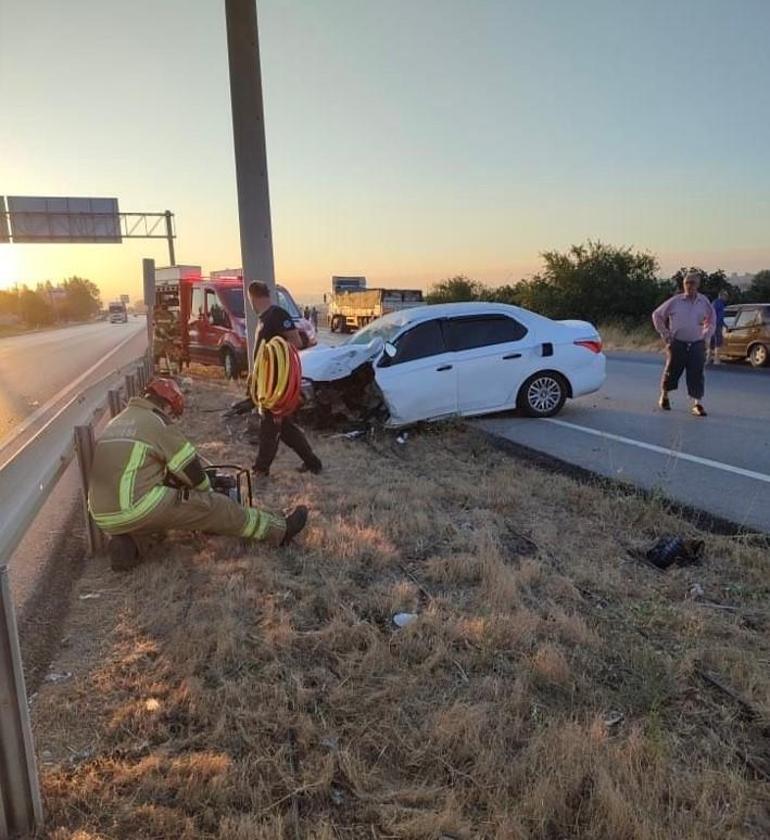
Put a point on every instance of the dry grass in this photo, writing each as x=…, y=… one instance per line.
x=219, y=692
x=619, y=337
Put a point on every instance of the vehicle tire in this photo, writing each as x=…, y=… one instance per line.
x=759, y=355
x=230, y=364
x=333, y=324
x=542, y=395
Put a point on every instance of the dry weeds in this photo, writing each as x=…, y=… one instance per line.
x=550, y=687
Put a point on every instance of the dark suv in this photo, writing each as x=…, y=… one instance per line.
x=747, y=333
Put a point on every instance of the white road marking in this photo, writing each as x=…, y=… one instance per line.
x=661, y=450
x=33, y=418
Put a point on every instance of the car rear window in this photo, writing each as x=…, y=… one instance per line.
x=482, y=331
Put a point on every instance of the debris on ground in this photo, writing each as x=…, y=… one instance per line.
x=57, y=677
x=669, y=550
x=404, y=619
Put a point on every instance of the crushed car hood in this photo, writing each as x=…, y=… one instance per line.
x=327, y=364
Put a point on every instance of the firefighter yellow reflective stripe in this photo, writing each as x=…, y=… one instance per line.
x=266, y=521
x=135, y=461
x=252, y=521
x=145, y=505
x=182, y=458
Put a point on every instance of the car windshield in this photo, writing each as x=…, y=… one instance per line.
x=233, y=300
x=381, y=328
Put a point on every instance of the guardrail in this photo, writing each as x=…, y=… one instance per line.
x=26, y=480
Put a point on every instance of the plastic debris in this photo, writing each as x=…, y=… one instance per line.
x=403, y=619
x=89, y=596
x=670, y=550
x=55, y=677
x=697, y=591
x=402, y=438
x=613, y=718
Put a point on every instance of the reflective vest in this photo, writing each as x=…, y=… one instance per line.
x=132, y=461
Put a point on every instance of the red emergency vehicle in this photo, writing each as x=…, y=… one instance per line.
x=213, y=321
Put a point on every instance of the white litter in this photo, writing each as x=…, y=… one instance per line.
x=404, y=619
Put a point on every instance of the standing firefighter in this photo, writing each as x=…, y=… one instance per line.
x=167, y=343
x=147, y=478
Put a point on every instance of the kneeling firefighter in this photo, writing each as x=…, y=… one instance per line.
x=147, y=478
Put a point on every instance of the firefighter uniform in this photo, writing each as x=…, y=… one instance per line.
x=166, y=336
x=137, y=459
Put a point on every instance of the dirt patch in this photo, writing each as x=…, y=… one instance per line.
x=551, y=686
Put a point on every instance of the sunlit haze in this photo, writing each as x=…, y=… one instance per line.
x=407, y=141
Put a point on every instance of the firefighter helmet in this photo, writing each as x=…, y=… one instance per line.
x=167, y=390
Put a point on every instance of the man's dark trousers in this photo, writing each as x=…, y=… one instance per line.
x=687, y=356
x=274, y=429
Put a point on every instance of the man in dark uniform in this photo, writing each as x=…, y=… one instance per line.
x=274, y=321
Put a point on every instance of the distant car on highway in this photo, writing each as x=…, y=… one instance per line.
x=461, y=359
x=747, y=333
x=117, y=312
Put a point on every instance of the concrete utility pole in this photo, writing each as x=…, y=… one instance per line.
x=250, y=152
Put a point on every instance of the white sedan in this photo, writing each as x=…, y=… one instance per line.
x=433, y=362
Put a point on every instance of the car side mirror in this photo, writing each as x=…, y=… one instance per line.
x=390, y=350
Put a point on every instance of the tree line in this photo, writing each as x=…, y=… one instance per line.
x=598, y=283
x=75, y=299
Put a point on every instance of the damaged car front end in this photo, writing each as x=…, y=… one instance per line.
x=339, y=387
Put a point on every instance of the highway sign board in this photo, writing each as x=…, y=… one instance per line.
x=48, y=219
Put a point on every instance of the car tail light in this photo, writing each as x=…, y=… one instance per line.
x=592, y=344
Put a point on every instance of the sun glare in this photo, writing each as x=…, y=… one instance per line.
x=9, y=266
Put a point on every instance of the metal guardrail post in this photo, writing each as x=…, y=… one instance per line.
x=21, y=809
x=84, y=448
x=130, y=385
x=140, y=379
x=114, y=402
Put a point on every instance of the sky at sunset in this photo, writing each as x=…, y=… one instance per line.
x=408, y=140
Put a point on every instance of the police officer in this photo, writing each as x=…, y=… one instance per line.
x=274, y=321
x=147, y=478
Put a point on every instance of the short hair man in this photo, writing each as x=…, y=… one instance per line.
x=274, y=321
x=686, y=323
x=147, y=478
x=717, y=339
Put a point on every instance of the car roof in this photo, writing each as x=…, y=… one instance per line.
x=416, y=314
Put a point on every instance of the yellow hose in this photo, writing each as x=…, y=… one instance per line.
x=271, y=374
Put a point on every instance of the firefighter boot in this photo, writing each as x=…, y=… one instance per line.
x=124, y=554
x=295, y=522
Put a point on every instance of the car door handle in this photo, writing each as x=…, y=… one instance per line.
x=444, y=367
x=513, y=356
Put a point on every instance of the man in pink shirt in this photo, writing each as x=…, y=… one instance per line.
x=686, y=323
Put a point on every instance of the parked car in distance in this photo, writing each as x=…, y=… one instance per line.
x=746, y=333
x=463, y=359
x=214, y=322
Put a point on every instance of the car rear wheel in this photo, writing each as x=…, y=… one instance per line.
x=542, y=395
x=759, y=355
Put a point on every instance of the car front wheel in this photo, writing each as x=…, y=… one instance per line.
x=542, y=395
x=230, y=365
x=758, y=355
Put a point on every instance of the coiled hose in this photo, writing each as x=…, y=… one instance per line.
x=275, y=382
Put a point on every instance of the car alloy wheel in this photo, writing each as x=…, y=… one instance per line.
x=758, y=355
x=542, y=395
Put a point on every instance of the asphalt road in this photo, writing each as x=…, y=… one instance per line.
x=36, y=367
x=720, y=463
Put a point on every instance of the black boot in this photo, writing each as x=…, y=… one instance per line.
x=124, y=554
x=295, y=522
x=315, y=466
